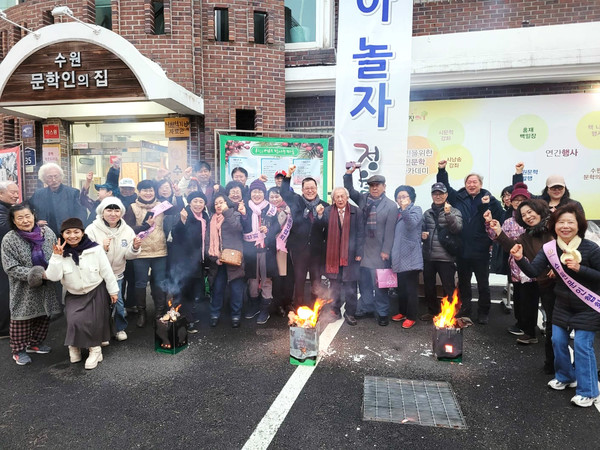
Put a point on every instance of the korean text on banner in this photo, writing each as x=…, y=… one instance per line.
x=373, y=88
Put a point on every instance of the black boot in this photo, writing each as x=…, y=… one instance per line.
x=263, y=316
x=160, y=302
x=140, y=298
x=252, y=308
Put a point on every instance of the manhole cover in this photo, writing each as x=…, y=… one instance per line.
x=429, y=403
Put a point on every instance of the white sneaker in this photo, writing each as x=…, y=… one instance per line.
x=105, y=343
x=560, y=386
x=74, y=354
x=584, y=402
x=94, y=358
x=121, y=336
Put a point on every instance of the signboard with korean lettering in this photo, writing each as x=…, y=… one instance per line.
x=69, y=71
x=552, y=134
x=51, y=153
x=265, y=156
x=372, y=88
x=51, y=133
x=177, y=127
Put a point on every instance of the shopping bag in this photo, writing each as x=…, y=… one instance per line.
x=386, y=278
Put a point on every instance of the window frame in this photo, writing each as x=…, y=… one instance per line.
x=324, y=29
x=226, y=10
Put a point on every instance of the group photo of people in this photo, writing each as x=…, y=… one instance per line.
x=247, y=252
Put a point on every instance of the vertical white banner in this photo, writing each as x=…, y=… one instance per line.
x=373, y=89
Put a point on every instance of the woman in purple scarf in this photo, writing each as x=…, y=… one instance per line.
x=25, y=254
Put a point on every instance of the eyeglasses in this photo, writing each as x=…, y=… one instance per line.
x=52, y=177
x=402, y=197
x=438, y=194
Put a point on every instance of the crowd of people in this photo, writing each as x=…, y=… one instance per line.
x=253, y=248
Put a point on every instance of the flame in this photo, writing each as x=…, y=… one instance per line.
x=177, y=307
x=305, y=317
x=170, y=303
x=446, y=318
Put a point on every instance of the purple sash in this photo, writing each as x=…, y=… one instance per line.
x=584, y=294
x=158, y=209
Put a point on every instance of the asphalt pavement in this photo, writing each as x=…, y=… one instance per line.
x=214, y=394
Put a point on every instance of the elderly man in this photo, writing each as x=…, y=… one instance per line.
x=9, y=196
x=56, y=202
x=203, y=174
x=345, y=231
x=472, y=201
x=306, y=242
x=437, y=260
x=379, y=214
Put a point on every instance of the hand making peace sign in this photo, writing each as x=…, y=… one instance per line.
x=57, y=248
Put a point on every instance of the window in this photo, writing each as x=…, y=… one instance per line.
x=245, y=119
x=260, y=27
x=47, y=18
x=9, y=130
x=221, y=24
x=158, y=7
x=104, y=14
x=308, y=23
x=5, y=4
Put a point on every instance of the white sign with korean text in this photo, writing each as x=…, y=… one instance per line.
x=373, y=89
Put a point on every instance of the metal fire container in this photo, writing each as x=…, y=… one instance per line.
x=448, y=343
x=172, y=333
x=304, y=346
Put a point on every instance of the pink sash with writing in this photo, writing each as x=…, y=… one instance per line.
x=158, y=209
x=584, y=294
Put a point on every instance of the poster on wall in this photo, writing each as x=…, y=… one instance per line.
x=10, y=165
x=265, y=156
x=51, y=153
x=553, y=134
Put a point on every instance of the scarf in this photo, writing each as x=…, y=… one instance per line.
x=35, y=238
x=258, y=238
x=337, y=246
x=202, y=221
x=214, y=247
x=540, y=228
x=371, y=214
x=310, y=208
x=569, y=250
x=84, y=244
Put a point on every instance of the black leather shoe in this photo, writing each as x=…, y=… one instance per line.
x=213, y=321
x=235, y=323
x=383, y=321
x=483, y=319
x=350, y=320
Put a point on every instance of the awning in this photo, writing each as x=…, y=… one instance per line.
x=154, y=94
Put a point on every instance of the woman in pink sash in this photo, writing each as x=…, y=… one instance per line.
x=576, y=264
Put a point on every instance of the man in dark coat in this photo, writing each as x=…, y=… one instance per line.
x=9, y=195
x=57, y=201
x=472, y=201
x=345, y=231
x=307, y=237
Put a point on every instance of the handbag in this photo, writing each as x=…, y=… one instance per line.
x=386, y=278
x=231, y=257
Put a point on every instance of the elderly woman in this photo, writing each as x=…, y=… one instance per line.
x=225, y=233
x=576, y=263
x=82, y=266
x=120, y=244
x=25, y=254
x=407, y=257
x=190, y=254
x=260, y=230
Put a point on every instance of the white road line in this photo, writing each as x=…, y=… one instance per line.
x=272, y=420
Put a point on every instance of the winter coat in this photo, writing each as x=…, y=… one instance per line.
x=569, y=310
x=186, y=251
x=121, y=245
x=250, y=250
x=382, y=242
x=93, y=269
x=155, y=244
x=476, y=242
x=171, y=216
x=27, y=302
x=432, y=249
x=355, y=244
x=231, y=238
x=56, y=206
x=304, y=232
x=513, y=230
x=407, y=254
x=4, y=228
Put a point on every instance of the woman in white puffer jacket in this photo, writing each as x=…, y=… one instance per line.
x=120, y=244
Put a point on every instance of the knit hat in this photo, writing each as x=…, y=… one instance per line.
x=195, y=194
x=107, y=202
x=409, y=190
x=73, y=222
x=257, y=184
x=520, y=189
x=555, y=180
x=35, y=276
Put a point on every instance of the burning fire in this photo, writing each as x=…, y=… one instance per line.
x=446, y=318
x=306, y=317
x=172, y=315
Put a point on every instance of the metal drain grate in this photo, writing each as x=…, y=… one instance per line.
x=429, y=403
